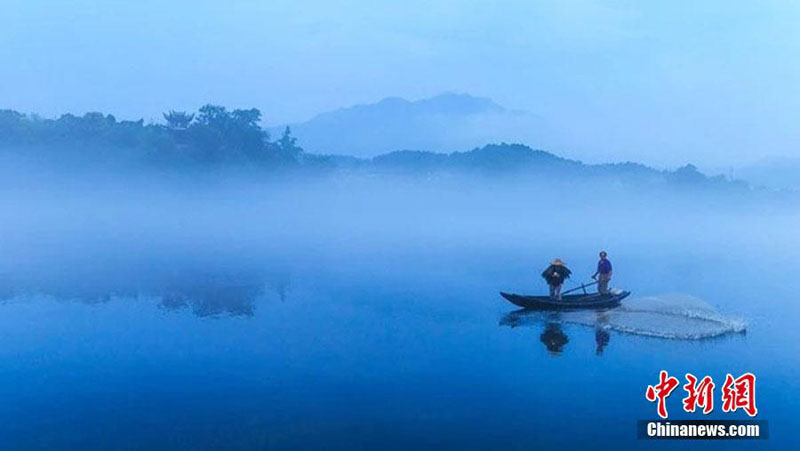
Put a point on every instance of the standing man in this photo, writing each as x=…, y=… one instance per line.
x=555, y=274
x=603, y=274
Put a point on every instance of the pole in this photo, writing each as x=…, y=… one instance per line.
x=583, y=286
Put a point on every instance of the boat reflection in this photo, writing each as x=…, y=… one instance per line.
x=601, y=335
x=553, y=336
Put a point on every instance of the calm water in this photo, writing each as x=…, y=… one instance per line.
x=376, y=349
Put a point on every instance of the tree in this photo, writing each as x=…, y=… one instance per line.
x=222, y=135
x=213, y=116
x=247, y=118
x=13, y=126
x=212, y=135
x=287, y=145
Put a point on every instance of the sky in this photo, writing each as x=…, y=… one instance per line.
x=664, y=83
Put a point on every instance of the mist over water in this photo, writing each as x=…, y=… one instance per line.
x=200, y=240
x=256, y=305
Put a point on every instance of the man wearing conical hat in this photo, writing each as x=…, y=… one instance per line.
x=555, y=275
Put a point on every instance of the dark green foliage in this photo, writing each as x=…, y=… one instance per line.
x=491, y=159
x=218, y=135
x=687, y=175
x=213, y=135
x=287, y=144
x=517, y=160
x=12, y=127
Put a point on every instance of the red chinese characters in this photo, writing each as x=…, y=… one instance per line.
x=740, y=393
x=661, y=392
x=699, y=394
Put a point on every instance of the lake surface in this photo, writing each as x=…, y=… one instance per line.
x=364, y=313
x=393, y=347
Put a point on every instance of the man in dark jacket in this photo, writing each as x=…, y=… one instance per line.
x=603, y=274
x=555, y=275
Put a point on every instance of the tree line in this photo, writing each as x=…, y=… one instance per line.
x=211, y=135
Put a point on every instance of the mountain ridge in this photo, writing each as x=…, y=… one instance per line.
x=509, y=160
x=445, y=123
x=216, y=137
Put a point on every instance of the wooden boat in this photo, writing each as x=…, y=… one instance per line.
x=592, y=301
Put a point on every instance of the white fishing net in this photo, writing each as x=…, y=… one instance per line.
x=673, y=316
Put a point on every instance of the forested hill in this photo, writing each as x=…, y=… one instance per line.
x=517, y=160
x=211, y=136
x=215, y=136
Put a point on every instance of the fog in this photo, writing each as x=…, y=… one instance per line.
x=94, y=233
x=251, y=306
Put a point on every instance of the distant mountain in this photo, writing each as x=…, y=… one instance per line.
x=494, y=158
x=502, y=160
x=217, y=138
x=444, y=123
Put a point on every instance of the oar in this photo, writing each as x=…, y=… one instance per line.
x=583, y=286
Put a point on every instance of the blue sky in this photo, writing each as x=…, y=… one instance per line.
x=712, y=82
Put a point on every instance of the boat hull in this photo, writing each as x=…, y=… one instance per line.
x=568, y=302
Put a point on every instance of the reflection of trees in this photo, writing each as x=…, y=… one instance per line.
x=234, y=295
x=211, y=299
x=7, y=289
x=88, y=290
x=204, y=293
x=280, y=285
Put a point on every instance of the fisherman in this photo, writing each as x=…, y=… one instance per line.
x=603, y=273
x=555, y=274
